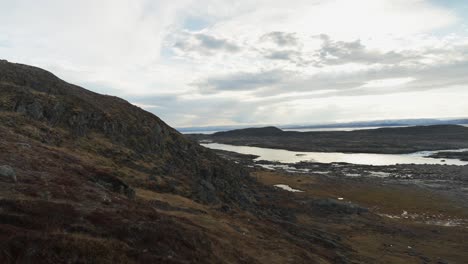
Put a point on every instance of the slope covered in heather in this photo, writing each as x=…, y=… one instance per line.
x=90, y=178
x=108, y=126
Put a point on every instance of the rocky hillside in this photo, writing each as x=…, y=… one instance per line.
x=77, y=119
x=89, y=178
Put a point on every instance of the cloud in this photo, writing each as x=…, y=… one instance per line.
x=372, y=72
x=204, y=44
x=286, y=55
x=241, y=81
x=281, y=38
x=342, y=52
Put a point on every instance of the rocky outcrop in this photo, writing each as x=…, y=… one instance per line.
x=8, y=172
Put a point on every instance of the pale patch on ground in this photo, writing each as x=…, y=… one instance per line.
x=287, y=188
x=322, y=172
x=283, y=167
x=380, y=174
x=430, y=219
x=352, y=174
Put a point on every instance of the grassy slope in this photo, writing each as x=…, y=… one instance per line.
x=57, y=212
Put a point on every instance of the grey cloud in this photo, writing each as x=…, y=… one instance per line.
x=331, y=52
x=425, y=79
x=287, y=55
x=341, y=52
x=211, y=42
x=281, y=38
x=241, y=81
x=277, y=82
x=205, y=44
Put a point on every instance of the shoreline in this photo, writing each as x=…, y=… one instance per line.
x=376, y=159
x=447, y=180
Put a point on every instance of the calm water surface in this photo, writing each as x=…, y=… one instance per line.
x=286, y=156
x=334, y=129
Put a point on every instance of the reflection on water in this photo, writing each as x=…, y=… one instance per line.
x=286, y=156
x=326, y=129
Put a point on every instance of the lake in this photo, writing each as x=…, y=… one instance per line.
x=286, y=156
x=325, y=129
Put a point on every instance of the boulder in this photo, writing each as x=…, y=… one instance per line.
x=7, y=171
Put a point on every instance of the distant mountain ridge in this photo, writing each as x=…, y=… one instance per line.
x=356, y=124
x=391, y=140
x=387, y=123
x=260, y=131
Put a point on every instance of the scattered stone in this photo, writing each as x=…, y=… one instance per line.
x=8, y=172
x=425, y=259
x=208, y=185
x=23, y=145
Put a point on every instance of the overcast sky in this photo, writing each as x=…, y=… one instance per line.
x=213, y=62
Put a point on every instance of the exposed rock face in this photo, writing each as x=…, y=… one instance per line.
x=8, y=172
x=70, y=113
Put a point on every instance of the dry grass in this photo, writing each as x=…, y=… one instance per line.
x=373, y=236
